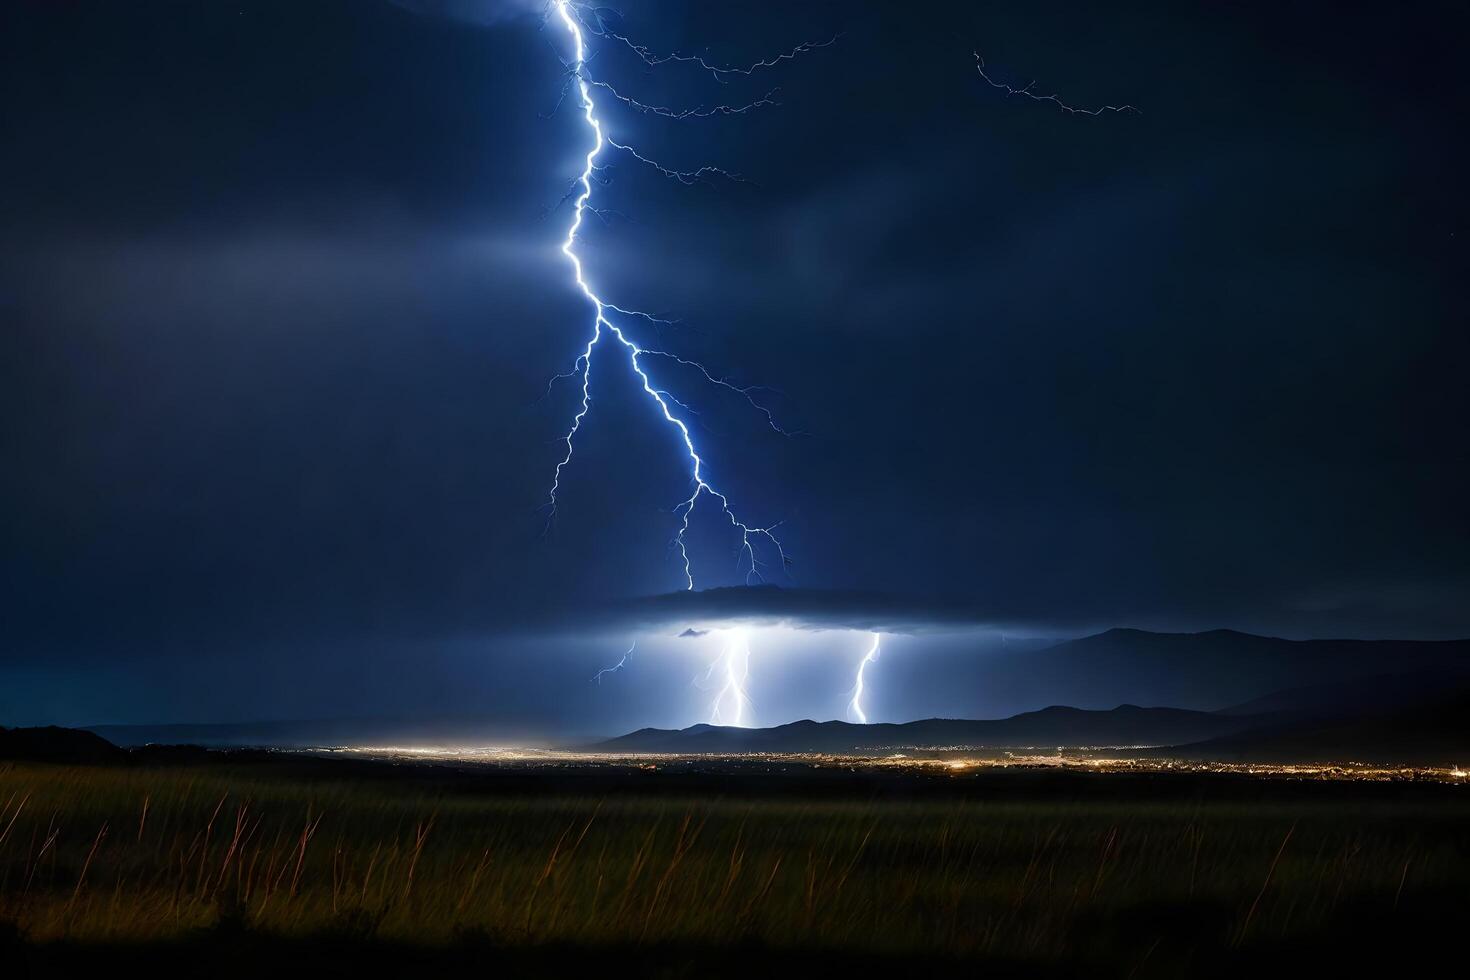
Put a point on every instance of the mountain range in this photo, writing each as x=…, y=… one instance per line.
x=1244, y=697
x=1125, y=725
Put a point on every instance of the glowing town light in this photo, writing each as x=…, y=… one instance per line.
x=749, y=535
x=855, y=706
x=730, y=703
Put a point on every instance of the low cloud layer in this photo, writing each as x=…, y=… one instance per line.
x=697, y=613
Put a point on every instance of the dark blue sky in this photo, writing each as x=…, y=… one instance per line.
x=280, y=296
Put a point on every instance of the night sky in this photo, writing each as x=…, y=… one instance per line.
x=280, y=297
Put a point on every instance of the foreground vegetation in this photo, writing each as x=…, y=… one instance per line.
x=107, y=857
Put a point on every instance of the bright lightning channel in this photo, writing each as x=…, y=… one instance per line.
x=855, y=706
x=731, y=702
x=749, y=535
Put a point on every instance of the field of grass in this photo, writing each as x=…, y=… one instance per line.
x=106, y=858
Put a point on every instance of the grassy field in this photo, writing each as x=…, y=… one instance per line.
x=106, y=859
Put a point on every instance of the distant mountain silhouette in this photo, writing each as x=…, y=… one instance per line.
x=1359, y=697
x=1125, y=725
x=1203, y=671
x=51, y=744
x=1432, y=733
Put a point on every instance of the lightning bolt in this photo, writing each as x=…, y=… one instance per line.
x=758, y=548
x=617, y=666
x=731, y=700
x=719, y=72
x=694, y=112
x=1055, y=100
x=855, y=706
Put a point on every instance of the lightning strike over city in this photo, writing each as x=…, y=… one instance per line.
x=731, y=704
x=758, y=549
x=855, y=706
